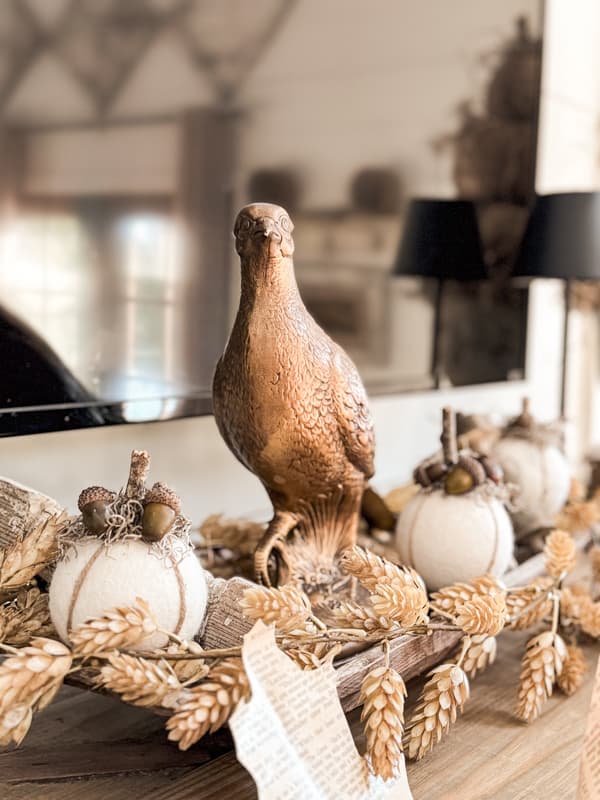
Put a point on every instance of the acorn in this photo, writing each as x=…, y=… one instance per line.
x=466, y=475
x=420, y=476
x=492, y=469
x=458, y=481
x=93, y=503
x=427, y=474
x=161, y=506
x=436, y=471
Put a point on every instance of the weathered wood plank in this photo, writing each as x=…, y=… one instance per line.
x=410, y=655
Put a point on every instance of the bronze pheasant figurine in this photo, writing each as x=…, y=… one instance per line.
x=292, y=408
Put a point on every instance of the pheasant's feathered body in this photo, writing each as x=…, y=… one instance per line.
x=290, y=403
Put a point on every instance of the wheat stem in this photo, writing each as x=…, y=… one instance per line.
x=555, y=611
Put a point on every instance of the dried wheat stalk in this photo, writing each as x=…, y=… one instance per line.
x=187, y=669
x=352, y=615
x=577, y=516
x=287, y=608
x=572, y=600
x=542, y=664
x=207, y=707
x=304, y=657
x=529, y=605
x=403, y=600
x=479, y=654
x=118, y=629
x=369, y=568
x=482, y=614
x=560, y=553
x=241, y=535
x=448, y=598
x=29, y=681
x=589, y=618
x=573, y=672
x=26, y=557
x=140, y=682
x=594, y=555
x=25, y=616
x=382, y=694
x=444, y=695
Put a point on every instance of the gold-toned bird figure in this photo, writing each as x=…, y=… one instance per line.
x=292, y=408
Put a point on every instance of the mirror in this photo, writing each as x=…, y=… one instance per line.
x=131, y=133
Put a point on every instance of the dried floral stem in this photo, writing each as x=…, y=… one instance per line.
x=555, y=611
x=466, y=644
x=528, y=613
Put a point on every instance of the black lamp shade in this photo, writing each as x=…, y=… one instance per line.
x=441, y=240
x=562, y=238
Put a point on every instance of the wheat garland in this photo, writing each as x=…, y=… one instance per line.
x=443, y=697
x=480, y=653
x=141, y=682
x=29, y=555
x=541, y=666
x=573, y=672
x=201, y=697
x=382, y=695
x=29, y=680
x=115, y=630
x=24, y=617
x=207, y=707
x=448, y=598
x=560, y=553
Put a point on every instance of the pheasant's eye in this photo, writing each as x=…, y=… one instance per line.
x=285, y=223
x=244, y=225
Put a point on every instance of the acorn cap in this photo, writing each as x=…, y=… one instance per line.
x=160, y=493
x=473, y=467
x=93, y=494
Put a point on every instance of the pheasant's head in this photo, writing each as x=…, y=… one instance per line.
x=263, y=231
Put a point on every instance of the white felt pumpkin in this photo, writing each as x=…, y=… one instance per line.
x=449, y=538
x=94, y=578
x=541, y=473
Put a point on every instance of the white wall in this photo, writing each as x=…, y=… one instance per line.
x=371, y=83
x=569, y=161
x=189, y=454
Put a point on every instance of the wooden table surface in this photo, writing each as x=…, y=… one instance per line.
x=93, y=748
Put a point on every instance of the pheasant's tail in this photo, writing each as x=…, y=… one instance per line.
x=326, y=527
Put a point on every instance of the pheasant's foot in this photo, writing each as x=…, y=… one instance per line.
x=273, y=540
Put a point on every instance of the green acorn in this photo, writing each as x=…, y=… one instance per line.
x=93, y=503
x=161, y=507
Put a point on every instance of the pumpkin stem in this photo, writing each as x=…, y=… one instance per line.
x=448, y=437
x=138, y=472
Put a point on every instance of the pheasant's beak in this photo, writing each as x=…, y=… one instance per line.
x=267, y=228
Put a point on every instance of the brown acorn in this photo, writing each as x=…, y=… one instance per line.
x=93, y=503
x=161, y=506
x=426, y=475
x=436, y=471
x=492, y=469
